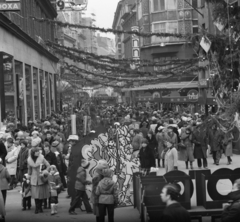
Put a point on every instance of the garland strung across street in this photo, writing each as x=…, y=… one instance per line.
x=142, y=34
x=121, y=61
x=181, y=67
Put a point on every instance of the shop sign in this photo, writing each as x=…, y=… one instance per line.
x=193, y=95
x=10, y=5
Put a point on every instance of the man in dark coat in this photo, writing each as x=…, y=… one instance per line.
x=49, y=155
x=231, y=211
x=216, y=137
x=200, y=140
x=173, y=212
x=3, y=152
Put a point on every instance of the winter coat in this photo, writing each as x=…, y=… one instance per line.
x=55, y=178
x=153, y=145
x=107, y=191
x=227, y=143
x=160, y=141
x=34, y=169
x=22, y=159
x=146, y=157
x=137, y=142
x=186, y=153
x=232, y=212
x=60, y=163
x=26, y=189
x=216, y=139
x=200, y=140
x=11, y=158
x=173, y=138
x=3, y=152
x=171, y=159
x=81, y=179
x=175, y=213
x=4, y=178
x=51, y=158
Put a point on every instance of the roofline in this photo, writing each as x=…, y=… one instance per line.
x=116, y=15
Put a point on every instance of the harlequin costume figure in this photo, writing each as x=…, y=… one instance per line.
x=26, y=193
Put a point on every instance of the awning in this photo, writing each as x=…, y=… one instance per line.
x=166, y=85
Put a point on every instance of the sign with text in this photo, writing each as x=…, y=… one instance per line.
x=193, y=95
x=10, y=5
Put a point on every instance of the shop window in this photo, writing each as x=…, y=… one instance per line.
x=7, y=89
x=20, y=92
x=47, y=92
x=29, y=99
x=36, y=94
x=42, y=93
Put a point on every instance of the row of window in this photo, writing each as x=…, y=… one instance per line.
x=162, y=5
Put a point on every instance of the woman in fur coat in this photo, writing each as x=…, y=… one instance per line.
x=39, y=188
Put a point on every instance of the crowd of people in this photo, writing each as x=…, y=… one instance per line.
x=38, y=156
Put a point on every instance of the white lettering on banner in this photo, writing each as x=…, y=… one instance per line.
x=9, y=6
x=193, y=96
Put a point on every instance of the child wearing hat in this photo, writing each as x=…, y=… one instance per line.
x=26, y=193
x=55, y=187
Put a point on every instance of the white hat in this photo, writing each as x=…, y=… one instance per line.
x=47, y=123
x=35, y=142
x=73, y=137
x=160, y=127
x=154, y=118
x=35, y=132
x=116, y=124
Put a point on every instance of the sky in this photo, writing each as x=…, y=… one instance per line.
x=104, y=10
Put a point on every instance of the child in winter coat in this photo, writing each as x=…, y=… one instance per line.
x=26, y=193
x=55, y=187
x=107, y=190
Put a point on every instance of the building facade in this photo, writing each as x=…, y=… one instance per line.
x=165, y=16
x=27, y=67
